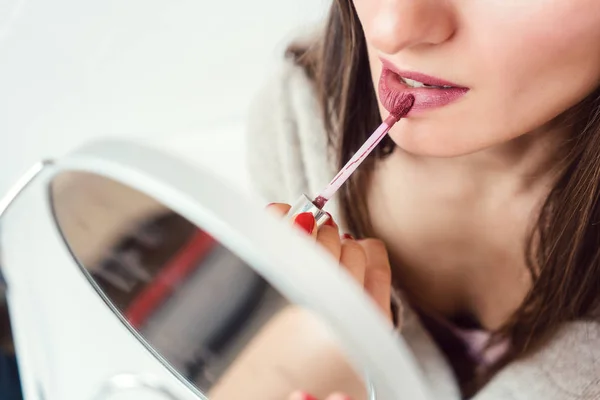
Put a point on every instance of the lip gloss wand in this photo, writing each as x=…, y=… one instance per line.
x=315, y=206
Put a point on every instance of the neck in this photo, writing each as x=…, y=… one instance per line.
x=456, y=228
x=521, y=164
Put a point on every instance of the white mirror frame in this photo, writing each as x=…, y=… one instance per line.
x=289, y=261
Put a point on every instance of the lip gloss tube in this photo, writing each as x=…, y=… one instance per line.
x=305, y=204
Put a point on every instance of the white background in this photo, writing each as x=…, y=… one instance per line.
x=179, y=70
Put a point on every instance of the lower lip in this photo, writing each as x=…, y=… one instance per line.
x=392, y=90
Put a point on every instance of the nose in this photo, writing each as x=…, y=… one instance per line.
x=395, y=25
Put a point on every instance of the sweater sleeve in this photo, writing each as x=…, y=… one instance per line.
x=266, y=119
x=272, y=140
x=566, y=368
x=287, y=147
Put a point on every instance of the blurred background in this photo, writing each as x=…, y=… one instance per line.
x=182, y=71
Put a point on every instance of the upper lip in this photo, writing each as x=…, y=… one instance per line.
x=417, y=76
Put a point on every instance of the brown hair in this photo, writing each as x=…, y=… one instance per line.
x=563, y=252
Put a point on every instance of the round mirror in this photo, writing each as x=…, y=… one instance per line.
x=196, y=305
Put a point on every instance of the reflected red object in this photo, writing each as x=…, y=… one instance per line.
x=179, y=267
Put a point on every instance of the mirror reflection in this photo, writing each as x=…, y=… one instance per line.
x=208, y=314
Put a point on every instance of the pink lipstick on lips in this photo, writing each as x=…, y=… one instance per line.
x=429, y=92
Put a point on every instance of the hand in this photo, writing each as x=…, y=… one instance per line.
x=305, y=396
x=365, y=260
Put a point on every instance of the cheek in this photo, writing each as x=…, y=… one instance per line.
x=537, y=60
x=365, y=9
x=375, y=66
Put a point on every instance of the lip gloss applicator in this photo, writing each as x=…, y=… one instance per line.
x=305, y=204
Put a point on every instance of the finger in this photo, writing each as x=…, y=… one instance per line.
x=301, y=396
x=354, y=259
x=331, y=221
x=306, y=222
x=378, y=274
x=329, y=238
x=280, y=209
x=338, y=396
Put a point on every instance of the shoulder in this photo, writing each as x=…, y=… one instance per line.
x=567, y=368
x=286, y=140
x=286, y=88
x=285, y=103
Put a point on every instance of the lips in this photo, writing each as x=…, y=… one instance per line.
x=393, y=87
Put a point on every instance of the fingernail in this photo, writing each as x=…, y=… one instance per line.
x=301, y=396
x=347, y=236
x=306, y=221
x=270, y=204
x=329, y=221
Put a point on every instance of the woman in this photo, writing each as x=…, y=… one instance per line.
x=486, y=195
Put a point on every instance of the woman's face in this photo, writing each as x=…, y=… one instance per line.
x=513, y=66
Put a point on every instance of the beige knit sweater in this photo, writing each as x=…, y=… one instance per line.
x=288, y=155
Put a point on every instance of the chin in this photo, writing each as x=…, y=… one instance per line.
x=433, y=142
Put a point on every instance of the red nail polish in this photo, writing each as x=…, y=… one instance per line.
x=308, y=397
x=348, y=236
x=306, y=221
x=329, y=221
